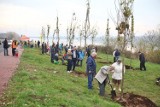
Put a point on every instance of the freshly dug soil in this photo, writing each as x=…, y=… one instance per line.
x=132, y=100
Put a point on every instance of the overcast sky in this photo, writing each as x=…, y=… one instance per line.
x=28, y=16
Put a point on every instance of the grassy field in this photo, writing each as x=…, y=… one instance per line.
x=39, y=83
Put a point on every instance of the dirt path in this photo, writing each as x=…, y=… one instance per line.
x=8, y=65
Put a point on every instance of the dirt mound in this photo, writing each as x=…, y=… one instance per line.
x=132, y=100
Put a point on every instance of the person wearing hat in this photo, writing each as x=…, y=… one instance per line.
x=101, y=77
x=117, y=74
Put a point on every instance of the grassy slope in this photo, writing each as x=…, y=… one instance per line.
x=142, y=82
x=35, y=84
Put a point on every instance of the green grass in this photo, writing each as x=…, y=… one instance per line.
x=36, y=84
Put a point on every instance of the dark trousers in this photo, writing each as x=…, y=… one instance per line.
x=74, y=60
x=90, y=79
x=5, y=51
x=102, y=87
x=52, y=57
x=114, y=59
x=13, y=51
x=43, y=50
x=69, y=66
x=142, y=65
x=80, y=62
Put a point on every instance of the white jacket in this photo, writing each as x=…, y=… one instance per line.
x=117, y=75
x=102, y=74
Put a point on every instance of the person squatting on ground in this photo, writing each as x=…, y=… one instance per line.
x=56, y=59
x=102, y=79
x=117, y=74
x=5, y=46
x=142, y=61
x=69, y=60
x=91, y=68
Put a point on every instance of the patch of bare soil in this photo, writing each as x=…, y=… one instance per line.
x=79, y=74
x=132, y=100
x=105, y=62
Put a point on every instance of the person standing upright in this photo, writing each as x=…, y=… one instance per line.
x=14, y=46
x=43, y=48
x=91, y=69
x=80, y=57
x=74, y=57
x=5, y=46
x=117, y=74
x=142, y=61
x=38, y=43
x=88, y=50
x=52, y=50
x=117, y=55
x=114, y=57
x=69, y=60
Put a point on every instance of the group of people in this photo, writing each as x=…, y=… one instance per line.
x=116, y=69
x=31, y=44
x=14, y=46
x=102, y=75
x=73, y=56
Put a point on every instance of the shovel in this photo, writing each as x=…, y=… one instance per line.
x=113, y=92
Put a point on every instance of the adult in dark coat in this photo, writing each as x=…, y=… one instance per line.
x=142, y=61
x=38, y=43
x=88, y=50
x=75, y=56
x=5, y=46
x=53, y=52
x=91, y=69
x=43, y=48
x=117, y=54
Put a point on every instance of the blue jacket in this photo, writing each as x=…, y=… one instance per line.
x=81, y=55
x=117, y=53
x=91, y=65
